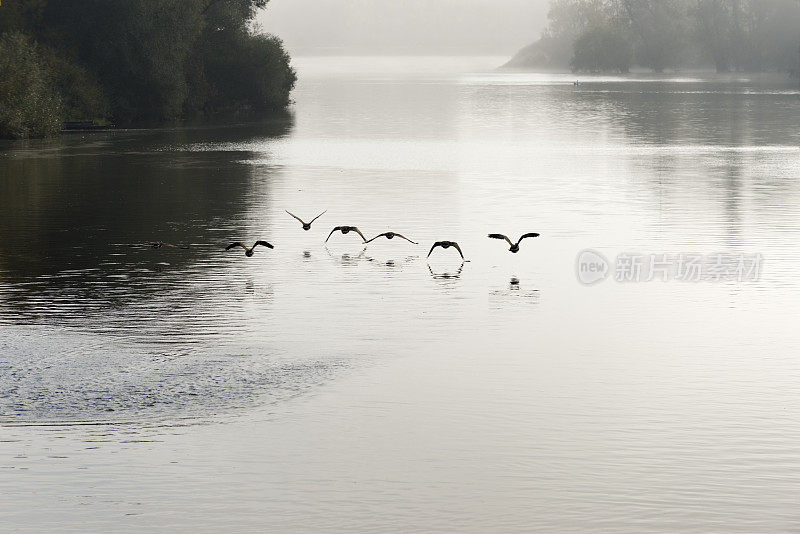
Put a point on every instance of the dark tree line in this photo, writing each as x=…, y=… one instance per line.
x=615, y=35
x=134, y=61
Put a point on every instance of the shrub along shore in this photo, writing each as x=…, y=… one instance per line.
x=129, y=62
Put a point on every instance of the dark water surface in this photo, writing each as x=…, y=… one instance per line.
x=343, y=388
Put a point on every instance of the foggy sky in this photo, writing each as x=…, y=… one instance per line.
x=311, y=27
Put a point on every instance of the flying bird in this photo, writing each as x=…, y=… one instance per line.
x=306, y=225
x=445, y=245
x=514, y=246
x=391, y=235
x=346, y=230
x=248, y=251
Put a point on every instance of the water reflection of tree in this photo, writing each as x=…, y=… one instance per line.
x=69, y=208
x=709, y=113
x=702, y=146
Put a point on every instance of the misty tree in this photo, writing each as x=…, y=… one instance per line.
x=748, y=35
x=567, y=21
x=744, y=35
x=715, y=31
x=659, y=29
x=601, y=49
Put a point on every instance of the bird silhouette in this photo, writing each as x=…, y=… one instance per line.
x=346, y=230
x=306, y=225
x=248, y=251
x=445, y=245
x=514, y=246
x=391, y=235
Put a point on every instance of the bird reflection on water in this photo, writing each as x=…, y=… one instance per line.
x=514, y=292
x=157, y=245
x=347, y=258
x=446, y=275
x=391, y=264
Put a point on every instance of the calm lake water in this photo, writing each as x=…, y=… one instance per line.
x=344, y=388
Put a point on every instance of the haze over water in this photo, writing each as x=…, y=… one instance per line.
x=338, y=388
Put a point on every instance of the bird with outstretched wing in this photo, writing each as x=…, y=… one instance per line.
x=346, y=230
